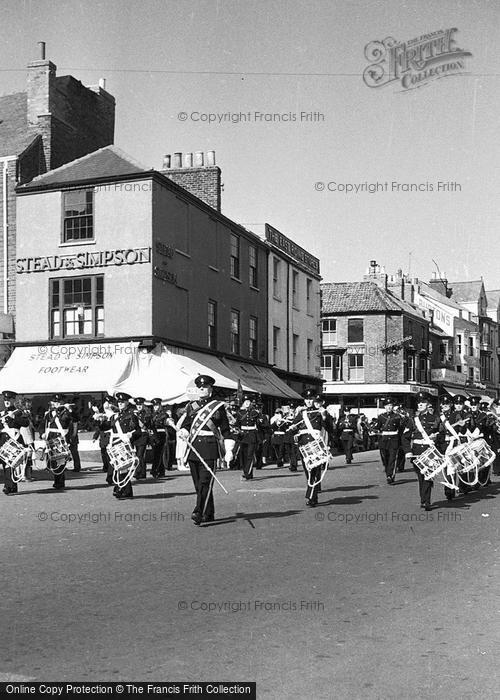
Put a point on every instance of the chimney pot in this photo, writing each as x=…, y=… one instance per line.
x=177, y=160
x=198, y=159
x=166, y=161
x=102, y=83
x=210, y=157
x=41, y=44
x=188, y=160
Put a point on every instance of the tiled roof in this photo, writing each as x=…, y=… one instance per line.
x=109, y=161
x=360, y=297
x=15, y=136
x=428, y=291
x=464, y=292
x=493, y=296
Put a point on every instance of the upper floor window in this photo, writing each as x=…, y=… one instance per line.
x=471, y=346
x=309, y=304
x=77, y=307
x=329, y=331
x=356, y=367
x=252, y=337
x=331, y=368
x=295, y=289
x=78, y=215
x=355, y=332
x=252, y=266
x=276, y=278
x=235, y=256
x=309, y=354
x=295, y=352
x=276, y=344
x=235, y=332
x=212, y=324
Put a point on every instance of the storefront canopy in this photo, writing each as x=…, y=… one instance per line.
x=260, y=380
x=72, y=368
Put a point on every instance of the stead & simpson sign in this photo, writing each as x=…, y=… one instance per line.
x=84, y=261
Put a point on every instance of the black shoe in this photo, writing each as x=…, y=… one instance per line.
x=208, y=519
x=292, y=469
x=390, y=480
x=428, y=506
x=196, y=518
x=422, y=505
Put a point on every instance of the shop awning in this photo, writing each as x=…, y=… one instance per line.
x=454, y=390
x=78, y=368
x=260, y=380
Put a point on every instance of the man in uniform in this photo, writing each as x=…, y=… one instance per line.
x=125, y=424
x=390, y=427
x=418, y=433
x=12, y=420
x=481, y=425
x=400, y=459
x=249, y=422
x=459, y=420
x=57, y=423
x=346, y=427
x=307, y=426
x=291, y=449
x=142, y=442
x=205, y=424
x=278, y=425
x=158, y=438
x=109, y=408
x=73, y=435
x=445, y=439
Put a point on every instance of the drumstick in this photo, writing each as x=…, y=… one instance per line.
x=191, y=447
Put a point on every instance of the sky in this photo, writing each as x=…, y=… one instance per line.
x=172, y=63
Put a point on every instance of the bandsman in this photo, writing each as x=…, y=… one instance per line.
x=249, y=422
x=12, y=421
x=346, y=428
x=57, y=423
x=390, y=425
x=125, y=424
x=158, y=423
x=141, y=443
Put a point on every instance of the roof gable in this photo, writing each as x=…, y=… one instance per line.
x=467, y=292
x=109, y=161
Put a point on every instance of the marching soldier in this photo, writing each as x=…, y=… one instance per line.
x=419, y=432
x=445, y=438
x=307, y=426
x=158, y=425
x=126, y=424
x=28, y=435
x=102, y=433
x=12, y=421
x=400, y=460
x=204, y=425
x=481, y=425
x=278, y=425
x=346, y=427
x=291, y=449
x=459, y=420
x=390, y=427
x=73, y=436
x=249, y=421
x=57, y=423
x=142, y=442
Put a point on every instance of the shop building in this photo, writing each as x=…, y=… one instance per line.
x=110, y=254
x=374, y=344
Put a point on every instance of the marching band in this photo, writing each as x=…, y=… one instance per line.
x=455, y=445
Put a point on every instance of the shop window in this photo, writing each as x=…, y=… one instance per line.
x=78, y=216
x=77, y=307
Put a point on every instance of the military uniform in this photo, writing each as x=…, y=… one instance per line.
x=141, y=443
x=249, y=421
x=414, y=441
x=278, y=427
x=12, y=420
x=346, y=428
x=481, y=423
x=57, y=423
x=316, y=417
x=390, y=427
x=124, y=422
x=158, y=423
x=205, y=435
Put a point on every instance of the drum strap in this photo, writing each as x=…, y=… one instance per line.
x=422, y=431
x=58, y=429
x=203, y=417
x=307, y=422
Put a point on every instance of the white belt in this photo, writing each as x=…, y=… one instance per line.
x=205, y=433
x=160, y=430
x=389, y=432
x=304, y=432
x=249, y=427
x=279, y=432
x=347, y=430
x=420, y=441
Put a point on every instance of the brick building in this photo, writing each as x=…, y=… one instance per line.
x=374, y=344
x=53, y=121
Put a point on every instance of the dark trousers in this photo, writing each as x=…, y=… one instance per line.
x=105, y=461
x=400, y=460
x=202, y=480
x=292, y=455
x=125, y=491
x=9, y=486
x=158, y=443
x=259, y=453
x=140, y=448
x=347, y=445
x=388, y=453
x=247, y=457
x=279, y=452
x=73, y=448
x=59, y=480
x=424, y=487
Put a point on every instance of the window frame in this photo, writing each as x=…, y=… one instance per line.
x=253, y=269
x=357, y=320
x=65, y=240
x=357, y=368
x=235, y=256
x=253, y=337
x=212, y=334
x=61, y=308
x=235, y=338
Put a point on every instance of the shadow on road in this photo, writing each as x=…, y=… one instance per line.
x=348, y=500
x=351, y=488
x=162, y=494
x=253, y=516
x=465, y=500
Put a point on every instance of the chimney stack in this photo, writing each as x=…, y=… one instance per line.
x=376, y=274
x=202, y=178
x=41, y=44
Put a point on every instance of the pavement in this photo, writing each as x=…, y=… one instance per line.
x=365, y=596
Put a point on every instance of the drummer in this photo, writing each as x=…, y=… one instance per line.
x=57, y=423
x=421, y=431
x=12, y=420
x=125, y=424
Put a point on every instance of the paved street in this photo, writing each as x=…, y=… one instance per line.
x=365, y=596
